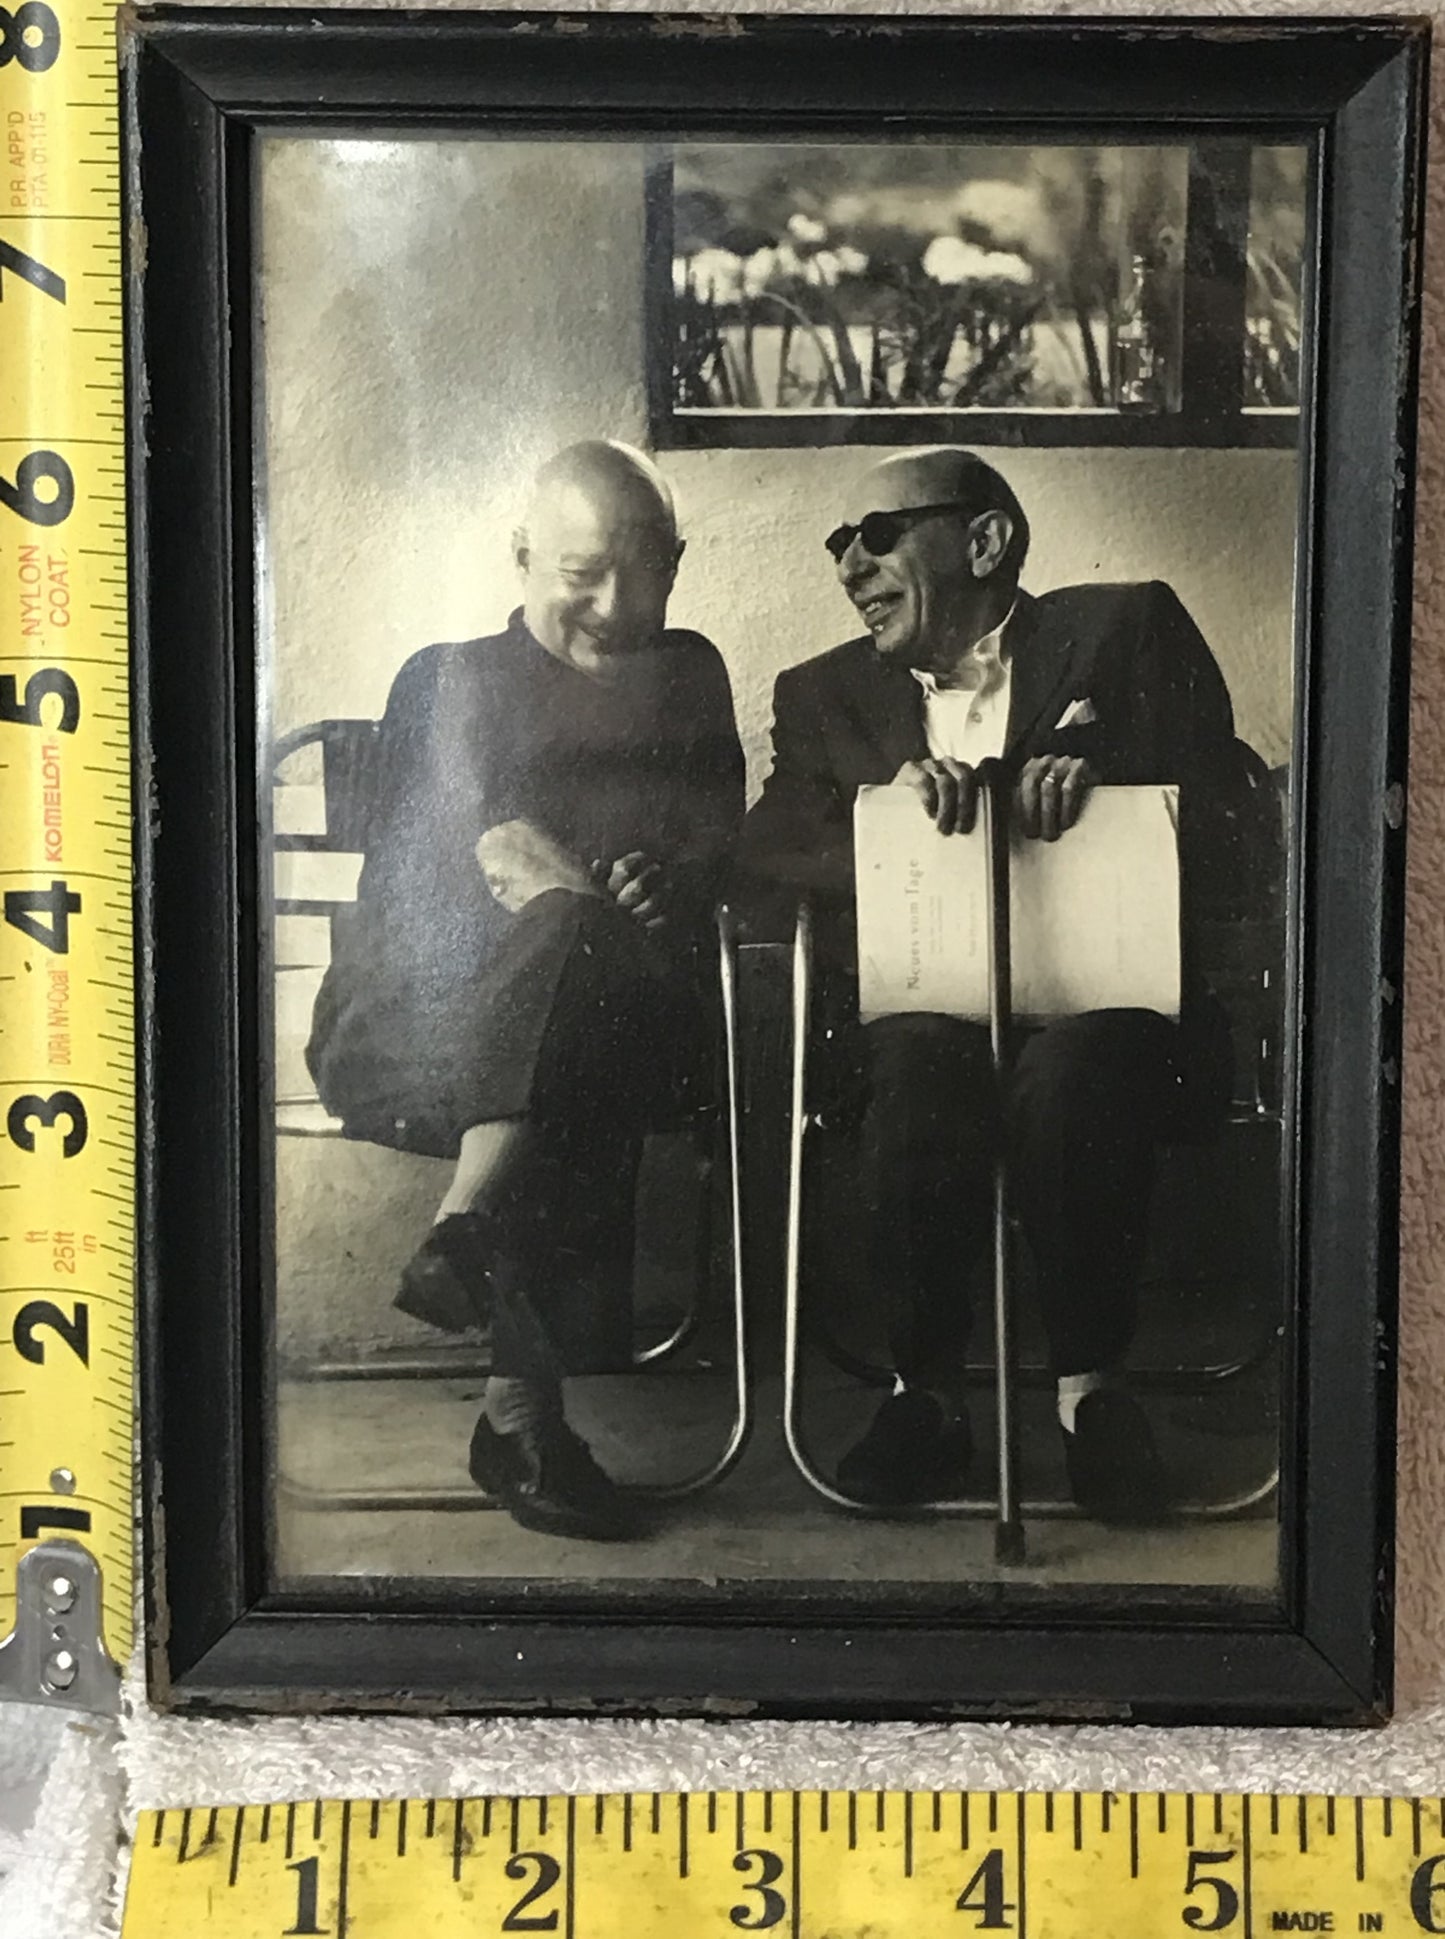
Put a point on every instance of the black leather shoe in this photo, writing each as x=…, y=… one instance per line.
x=545, y=1477
x=445, y=1282
x=1114, y=1468
x=910, y=1454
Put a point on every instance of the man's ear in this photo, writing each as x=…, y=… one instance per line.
x=521, y=549
x=989, y=538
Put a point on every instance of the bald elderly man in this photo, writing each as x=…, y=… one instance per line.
x=1087, y=684
x=522, y=984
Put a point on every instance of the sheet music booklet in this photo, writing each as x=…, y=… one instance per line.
x=1094, y=915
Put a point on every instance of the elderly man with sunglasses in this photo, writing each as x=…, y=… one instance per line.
x=1083, y=685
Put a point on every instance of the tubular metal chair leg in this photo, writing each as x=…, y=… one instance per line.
x=802, y=991
x=802, y=985
x=742, y=1421
x=792, y=1385
x=463, y=1498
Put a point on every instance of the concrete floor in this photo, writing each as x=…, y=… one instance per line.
x=763, y=1522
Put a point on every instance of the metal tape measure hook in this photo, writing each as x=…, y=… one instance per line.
x=55, y=1653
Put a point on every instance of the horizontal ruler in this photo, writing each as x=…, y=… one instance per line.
x=67, y=1078
x=811, y=1864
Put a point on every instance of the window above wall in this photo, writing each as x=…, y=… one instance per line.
x=1019, y=293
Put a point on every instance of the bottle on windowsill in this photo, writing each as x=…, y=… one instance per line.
x=1138, y=365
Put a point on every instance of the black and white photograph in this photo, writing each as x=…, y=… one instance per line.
x=778, y=699
x=920, y=277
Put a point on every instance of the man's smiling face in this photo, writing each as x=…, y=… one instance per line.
x=919, y=597
x=597, y=566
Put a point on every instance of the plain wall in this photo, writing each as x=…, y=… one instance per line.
x=436, y=319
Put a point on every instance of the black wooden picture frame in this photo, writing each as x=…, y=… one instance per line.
x=199, y=86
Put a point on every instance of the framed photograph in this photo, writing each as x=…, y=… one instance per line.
x=771, y=693
x=1116, y=292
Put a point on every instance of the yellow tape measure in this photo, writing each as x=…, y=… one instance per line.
x=810, y=1865
x=67, y=1082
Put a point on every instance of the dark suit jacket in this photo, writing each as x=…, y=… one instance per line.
x=1161, y=713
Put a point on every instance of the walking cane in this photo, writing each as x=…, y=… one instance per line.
x=994, y=794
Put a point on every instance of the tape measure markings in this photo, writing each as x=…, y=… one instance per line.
x=66, y=1124
x=817, y=1865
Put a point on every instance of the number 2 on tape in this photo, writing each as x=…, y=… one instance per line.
x=42, y=493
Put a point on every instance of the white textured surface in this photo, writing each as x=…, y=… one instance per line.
x=60, y=1886
x=58, y=1855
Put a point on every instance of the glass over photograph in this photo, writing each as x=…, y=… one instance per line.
x=777, y=677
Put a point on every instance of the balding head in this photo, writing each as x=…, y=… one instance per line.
x=938, y=565
x=597, y=553
x=945, y=475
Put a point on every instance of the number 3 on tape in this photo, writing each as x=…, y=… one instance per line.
x=1043, y=1865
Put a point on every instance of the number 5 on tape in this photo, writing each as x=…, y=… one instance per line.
x=812, y=1865
x=67, y=1084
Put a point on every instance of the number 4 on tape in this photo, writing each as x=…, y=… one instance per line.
x=68, y=1061
x=809, y=1865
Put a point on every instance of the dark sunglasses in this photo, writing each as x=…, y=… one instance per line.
x=881, y=531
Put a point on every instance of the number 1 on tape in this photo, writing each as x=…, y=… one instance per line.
x=66, y=1051
x=808, y=1865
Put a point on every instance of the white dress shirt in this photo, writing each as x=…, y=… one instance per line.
x=968, y=719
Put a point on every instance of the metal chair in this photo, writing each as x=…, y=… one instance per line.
x=1005, y=1506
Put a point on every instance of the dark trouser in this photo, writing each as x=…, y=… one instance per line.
x=558, y=1298
x=577, y=1020
x=610, y=1040
x=1084, y=1106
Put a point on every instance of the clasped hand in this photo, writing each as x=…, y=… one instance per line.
x=521, y=861
x=637, y=884
x=1048, y=800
